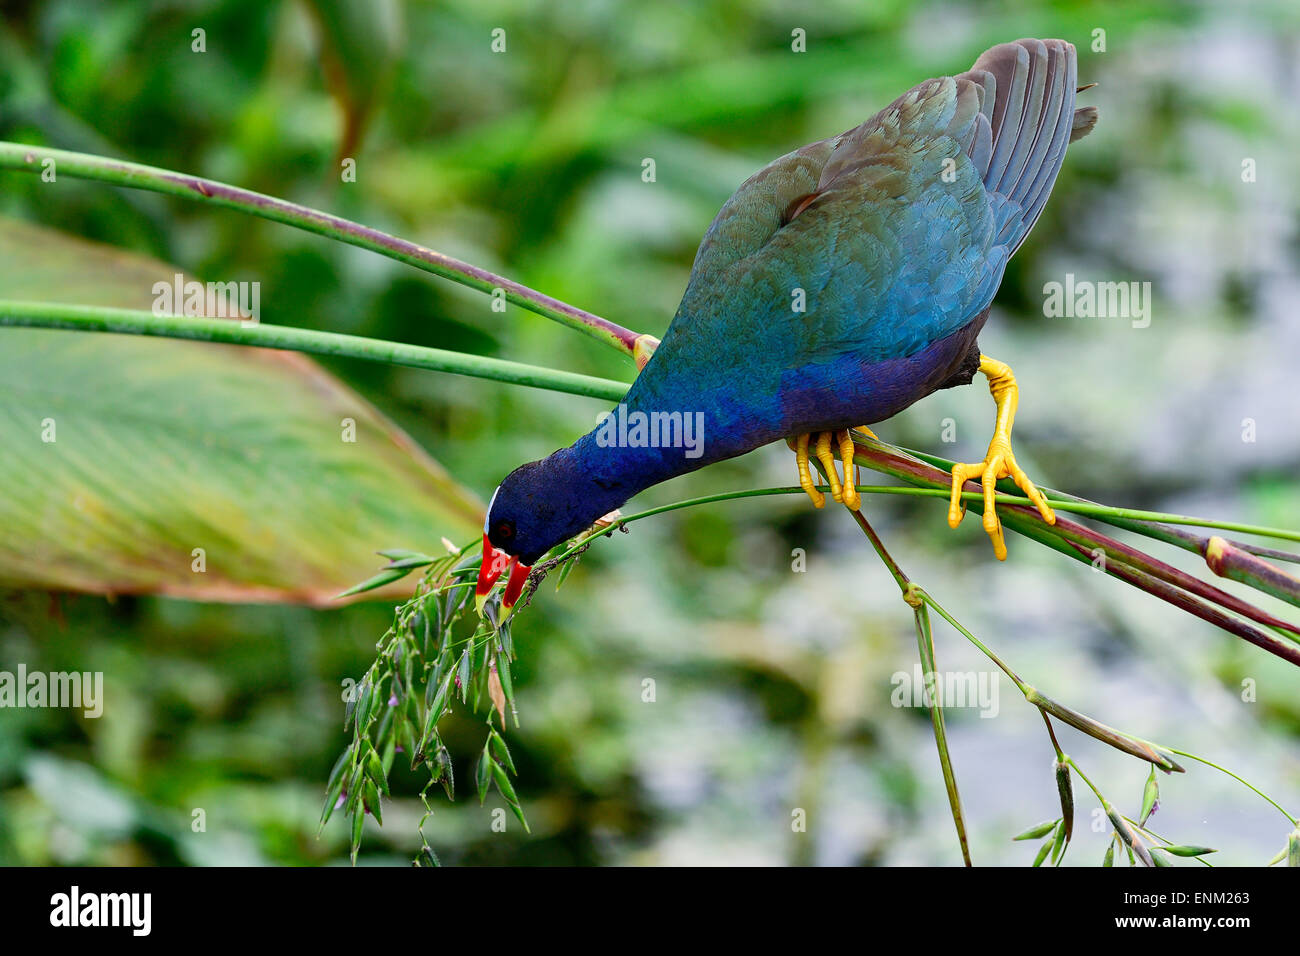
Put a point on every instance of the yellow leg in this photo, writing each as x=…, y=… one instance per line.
x=998, y=463
x=852, y=500
x=820, y=444
x=828, y=462
x=805, y=476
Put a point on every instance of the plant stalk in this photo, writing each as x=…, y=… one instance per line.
x=85, y=318
x=30, y=159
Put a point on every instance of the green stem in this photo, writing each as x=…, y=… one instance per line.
x=1084, y=777
x=1051, y=733
x=1081, y=543
x=83, y=318
x=1027, y=690
x=925, y=645
x=901, y=579
x=1246, y=783
x=1128, y=743
x=24, y=158
x=1129, y=838
x=1060, y=500
x=227, y=331
x=972, y=496
x=1052, y=536
x=986, y=651
x=1118, y=517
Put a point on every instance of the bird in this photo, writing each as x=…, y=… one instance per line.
x=838, y=285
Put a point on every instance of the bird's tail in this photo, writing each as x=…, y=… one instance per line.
x=1027, y=118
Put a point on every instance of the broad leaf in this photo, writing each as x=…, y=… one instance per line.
x=122, y=455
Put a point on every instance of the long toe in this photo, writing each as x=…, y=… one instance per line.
x=827, y=460
x=800, y=445
x=852, y=500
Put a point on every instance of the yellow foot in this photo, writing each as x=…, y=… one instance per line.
x=820, y=442
x=998, y=463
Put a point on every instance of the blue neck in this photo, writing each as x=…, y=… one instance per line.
x=632, y=450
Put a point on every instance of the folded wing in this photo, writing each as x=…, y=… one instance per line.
x=897, y=232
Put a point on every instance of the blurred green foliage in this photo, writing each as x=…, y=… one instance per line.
x=771, y=688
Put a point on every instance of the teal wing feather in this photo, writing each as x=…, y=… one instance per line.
x=894, y=234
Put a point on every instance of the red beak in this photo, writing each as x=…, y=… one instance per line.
x=514, y=587
x=495, y=563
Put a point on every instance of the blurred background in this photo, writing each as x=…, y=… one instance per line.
x=772, y=684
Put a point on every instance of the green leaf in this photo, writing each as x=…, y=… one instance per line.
x=373, y=802
x=508, y=791
x=384, y=577
x=375, y=768
x=1042, y=852
x=464, y=673
x=483, y=775
x=354, y=791
x=335, y=786
x=436, y=707
x=365, y=704
x=409, y=563
x=503, y=674
x=164, y=447
x=358, y=821
x=1058, y=844
x=501, y=751
x=445, y=775
x=400, y=554
x=1150, y=794
x=1293, y=848
x=1183, y=850
x=565, y=570
x=1036, y=831
x=503, y=783
x=1109, y=858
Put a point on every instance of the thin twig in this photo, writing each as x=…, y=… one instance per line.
x=925, y=646
x=30, y=159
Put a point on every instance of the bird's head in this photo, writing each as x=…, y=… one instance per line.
x=537, y=506
x=502, y=546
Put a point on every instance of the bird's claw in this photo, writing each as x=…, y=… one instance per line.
x=998, y=463
x=820, y=443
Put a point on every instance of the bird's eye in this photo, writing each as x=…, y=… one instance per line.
x=505, y=530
